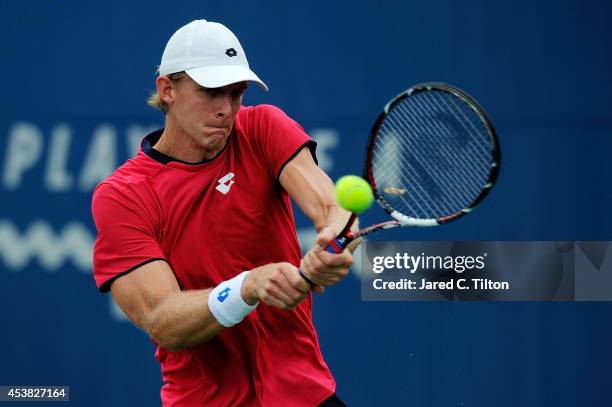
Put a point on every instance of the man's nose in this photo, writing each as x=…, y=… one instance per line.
x=224, y=105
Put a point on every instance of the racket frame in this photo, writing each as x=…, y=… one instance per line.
x=400, y=218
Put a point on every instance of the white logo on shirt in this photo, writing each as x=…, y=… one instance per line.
x=225, y=183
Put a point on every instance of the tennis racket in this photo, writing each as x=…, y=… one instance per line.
x=432, y=156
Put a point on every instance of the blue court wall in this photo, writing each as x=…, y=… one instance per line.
x=75, y=76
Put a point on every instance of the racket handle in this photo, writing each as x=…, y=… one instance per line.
x=338, y=245
x=345, y=237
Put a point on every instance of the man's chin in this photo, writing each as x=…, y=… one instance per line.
x=214, y=141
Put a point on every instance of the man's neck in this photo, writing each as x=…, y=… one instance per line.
x=176, y=144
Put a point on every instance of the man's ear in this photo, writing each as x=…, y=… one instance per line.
x=165, y=89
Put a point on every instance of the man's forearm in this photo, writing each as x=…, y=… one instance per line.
x=330, y=216
x=314, y=193
x=182, y=320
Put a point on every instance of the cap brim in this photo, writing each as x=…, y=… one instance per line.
x=218, y=76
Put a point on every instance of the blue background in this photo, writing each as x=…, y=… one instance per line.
x=540, y=68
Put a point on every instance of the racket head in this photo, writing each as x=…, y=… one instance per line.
x=433, y=154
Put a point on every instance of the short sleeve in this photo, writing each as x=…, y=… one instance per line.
x=279, y=137
x=126, y=223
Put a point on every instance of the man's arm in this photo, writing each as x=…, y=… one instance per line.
x=151, y=298
x=314, y=193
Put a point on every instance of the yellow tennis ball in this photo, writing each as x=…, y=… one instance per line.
x=354, y=193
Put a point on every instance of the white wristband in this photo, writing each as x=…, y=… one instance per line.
x=226, y=303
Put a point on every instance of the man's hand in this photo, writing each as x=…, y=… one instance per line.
x=276, y=284
x=324, y=268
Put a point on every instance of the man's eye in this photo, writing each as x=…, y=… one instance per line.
x=212, y=92
x=217, y=92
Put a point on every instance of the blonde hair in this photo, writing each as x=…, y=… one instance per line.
x=156, y=101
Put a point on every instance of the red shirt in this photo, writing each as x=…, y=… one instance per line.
x=211, y=221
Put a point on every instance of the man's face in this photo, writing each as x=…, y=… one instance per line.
x=206, y=114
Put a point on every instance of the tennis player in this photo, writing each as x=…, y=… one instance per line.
x=197, y=242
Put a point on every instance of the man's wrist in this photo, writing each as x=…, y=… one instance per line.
x=246, y=292
x=226, y=303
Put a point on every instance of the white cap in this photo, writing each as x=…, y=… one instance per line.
x=209, y=53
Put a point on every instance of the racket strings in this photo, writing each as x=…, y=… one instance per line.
x=482, y=144
x=409, y=174
x=432, y=156
x=395, y=168
x=457, y=186
x=393, y=177
x=426, y=165
x=390, y=160
x=459, y=183
x=443, y=130
x=429, y=146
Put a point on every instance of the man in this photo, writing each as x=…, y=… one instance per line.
x=196, y=236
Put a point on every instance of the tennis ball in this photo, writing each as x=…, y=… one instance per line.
x=354, y=193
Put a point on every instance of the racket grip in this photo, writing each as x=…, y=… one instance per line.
x=338, y=245
x=345, y=237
